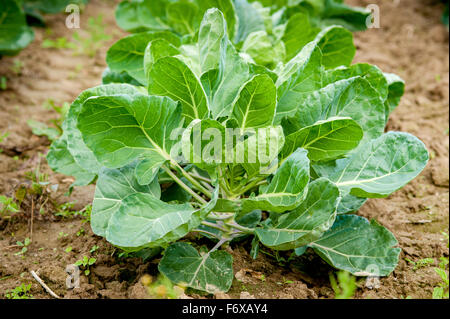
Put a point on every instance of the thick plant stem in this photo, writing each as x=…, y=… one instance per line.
x=219, y=244
x=239, y=227
x=184, y=186
x=193, y=181
x=206, y=232
x=215, y=226
x=257, y=182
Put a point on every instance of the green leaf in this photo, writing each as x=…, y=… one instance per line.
x=211, y=39
x=81, y=154
x=250, y=20
x=298, y=32
x=350, y=204
x=336, y=44
x=146, y=15
x=61, y=161
x=48, y=6
x=396, y=90
x=127, y=54
x=113, y=187
x=224, y=70
x=16, y=35
x=337, y=12
x=255, y=104
x=263, y=49
x=380, y=167
x=41, y=129
x=109, y=77
x=371, y=73
x=171, y=77
x=227, y=8
x=260, y=150
x=155, y=50
x=120, y=129
x=325, y=140
x=183, y=17
x=287, y=189
x=308, y=222
x=145, y=221
x=359, y=247
x=354, y=98
x=211, y=272
x=299, y=77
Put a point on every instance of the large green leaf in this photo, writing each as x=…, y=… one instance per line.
x=145, y=221
x=226, y=7
x=325, y=140
x=354, y=98
x=298, y=32
x=371, y=73
x=113, y=187
x=171, y=77
x=15, y=33
x=211, y=39
x=145, y=15
x=264, y=49
x=128, y=53
x=120, y=129
x=61, y=161
x=155, y=50
x=224, y=71
x=184, y=17
x=359, y=247
x=78, y=154
x=336, y=44
x=299, y=77
x=249, y=20
x=380, y=167
x=287, y=189
x=337, y=12
x=255, y=104
x=308, y=222
x=211, y=272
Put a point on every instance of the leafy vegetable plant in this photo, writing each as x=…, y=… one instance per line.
x=206, y=140
x=266, y=36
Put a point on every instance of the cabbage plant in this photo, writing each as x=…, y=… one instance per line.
x=267, y=33
x=210, y=143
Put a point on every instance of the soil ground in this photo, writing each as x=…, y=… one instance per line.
x=411, y=42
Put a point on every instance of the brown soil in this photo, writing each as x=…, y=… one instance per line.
x=411, y=42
